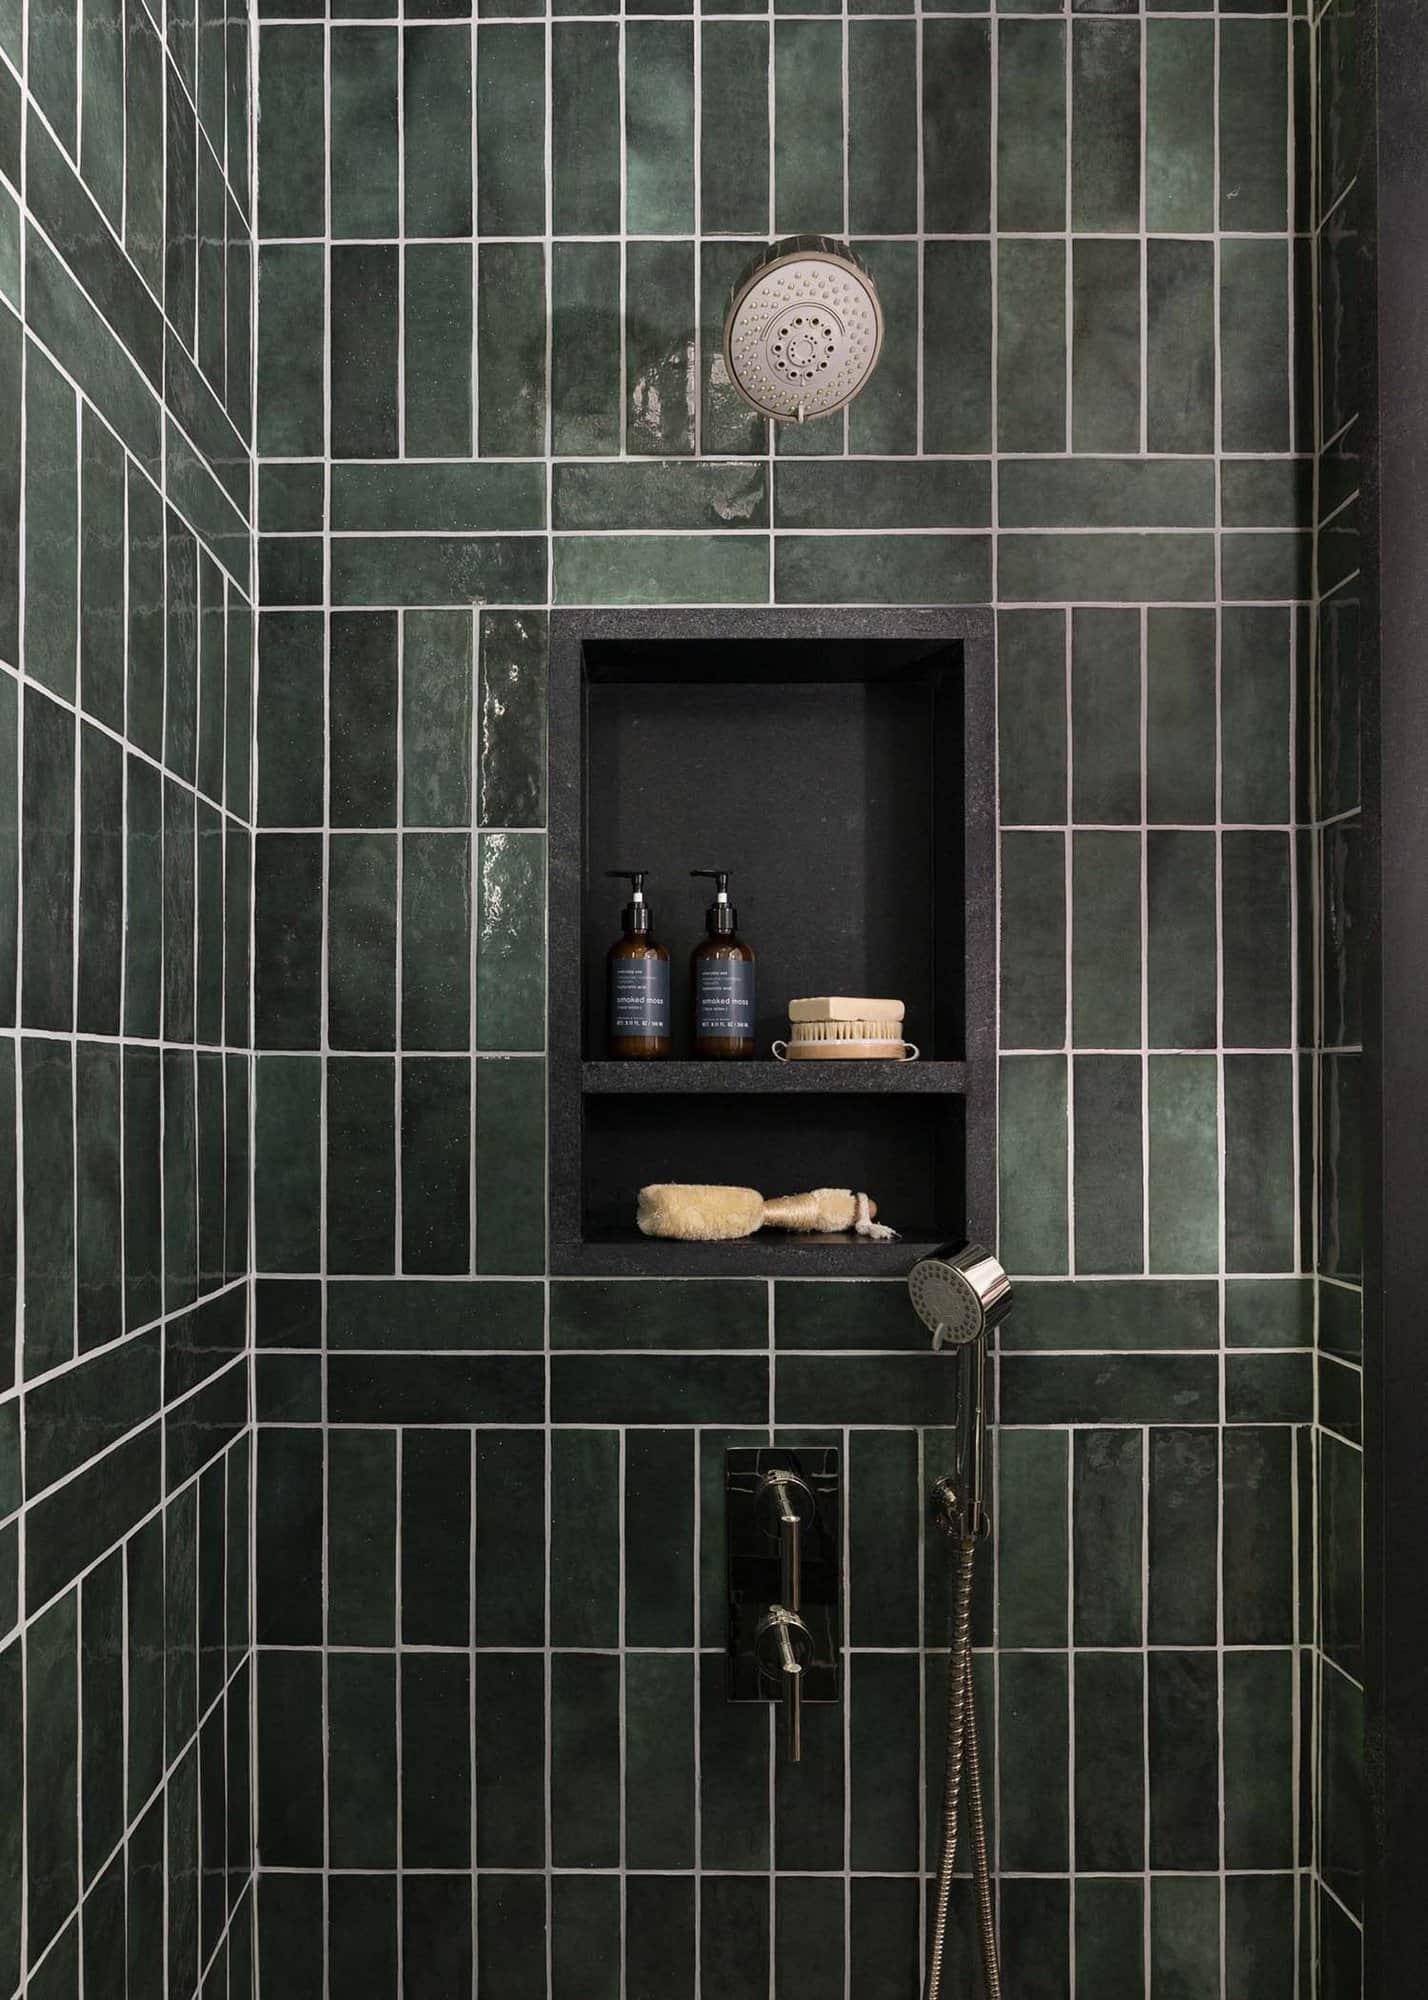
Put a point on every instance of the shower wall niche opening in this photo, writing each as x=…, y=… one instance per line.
x=840, y=766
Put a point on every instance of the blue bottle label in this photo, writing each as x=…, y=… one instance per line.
x=724, y=997
x=639, y=996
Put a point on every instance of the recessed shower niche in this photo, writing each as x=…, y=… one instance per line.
x=840, y=765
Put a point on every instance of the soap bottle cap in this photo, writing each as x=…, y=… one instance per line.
x=721, y=919
x=636, y=915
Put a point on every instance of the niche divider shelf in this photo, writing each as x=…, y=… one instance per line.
x=841, y=766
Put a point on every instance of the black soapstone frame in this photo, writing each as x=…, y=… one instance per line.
x=841, y=765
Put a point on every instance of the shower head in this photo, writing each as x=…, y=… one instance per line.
x=959, y=1294
x=804, y=329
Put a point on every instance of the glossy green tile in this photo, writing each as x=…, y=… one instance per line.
x=1105, y=125
x=1108, y=1476
x=1033, y=1162
x=1184, y=1163
x=1031, y=348
x=1266, y=492
x=1031, y=124
x=1122, y=568
x=1180, y=345
x=511, y=349
x=47, y=863
x=10, y=250
x=436, y=332
x=957, y=392
x=808, y=125
x=436, y=130
x=1184, y=1934
x=510, y=942
x=364, y=347
x=361, y=941
x=1032, y=669
x=1106, y=871
x=1259, y=1156
x=436, y=941
x=1179, y=132
x=659, y=128
x=585, y=113
x=51, y=526
x=884, y=416
x=585, y=348
x=292, y=168
x=1032, y=1570
x=1253, y=124
x=1108, y=1165
x=287, y=1138
x=1258, y=1587
x=1033, y=1755
x=1254, y=335
x=1181, y=945
x=956, y=132
x=510, y=1199
x=510, y=774
x=662, y=569
x=1106, y=492
x=734, y=128
x=437, y=570
x=659, y=347
x=365, y=168
x=510, y=129
x=1110, y=1935
x=1255, y=920
x=53, y=68
x=292, y=300
x=51, y=1771
x=857, y=569
x=1033, y=940
x=1254, y=696
x=1105, y=346
x=1107, y=1315
x=1269, y=1388
x=882, y=126
x=1180, y=716
x=1110, y=1779
x=699, y=493
x=463, y=496
x=435, y=1164
x=437, y=704
x=1105, y=717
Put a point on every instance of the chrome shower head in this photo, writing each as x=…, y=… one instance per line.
x=804, y=329
x=959, y=1294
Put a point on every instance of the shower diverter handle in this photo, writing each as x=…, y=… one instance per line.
x=783, y=1642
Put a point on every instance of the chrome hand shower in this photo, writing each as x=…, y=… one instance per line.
x=959, y=1295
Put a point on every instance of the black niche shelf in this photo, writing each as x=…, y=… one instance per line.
x=775, y=1079
x=841, y=765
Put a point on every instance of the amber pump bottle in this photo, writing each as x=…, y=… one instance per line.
x=721, y=981
x=638, y=981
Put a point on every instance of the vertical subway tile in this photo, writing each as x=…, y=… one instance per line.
x=1031, y=105
x=884, y=417
x=1255, y=914
x=364, y=169
x=1254, y=703
x=361, y=941
x=364, y=340
x=1105, y=346
x=47, y=1098
x=436, y=329
x=292, y=295
x=1180, y=129
x=361, y=1175
x=882, y=126
x=435, y=1140
x=659, y=128
x=1033, y=1162
x=1180, y=716
x=1181, y=951
x=1253, y=124
x=1254, y=344
x=585, y=110
x=1105, y=716
x=1031, y=346
x=51, y=526
x=1180, y=345
x=659, y=351
x=511, y=345
x=1184, y=1163
x=957, y=341
x=437, y=705
x=292, y=166
x=47, y=864
x=510, y=1196
x=1105, y=124
x=510, y=952
x=1259, y=1160
x=1109, y=1225
x=510, y=128
x=808, y=121
x=436, y=129
x=1106, y=953
x=585, y=387
x=362, y=700
x=436, y=941
x=734, y=126
x=956, y=125
x=1033, y=940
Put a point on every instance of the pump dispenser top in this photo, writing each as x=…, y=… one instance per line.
x=721, y=919
x=636, y=914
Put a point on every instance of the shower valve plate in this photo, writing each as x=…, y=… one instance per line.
x=754, y=1572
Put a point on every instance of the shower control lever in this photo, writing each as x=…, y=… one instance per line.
x=785, y=1542
x=783, y=1643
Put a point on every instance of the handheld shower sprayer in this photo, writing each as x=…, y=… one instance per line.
x=959, y=1295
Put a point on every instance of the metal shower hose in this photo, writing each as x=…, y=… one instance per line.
x=962, y=1753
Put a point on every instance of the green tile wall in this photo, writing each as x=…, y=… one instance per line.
x=1332, y=896
x=494, y=254
x=126, y=775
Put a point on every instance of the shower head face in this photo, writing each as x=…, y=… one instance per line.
x=804, y=329
x=959, y=1294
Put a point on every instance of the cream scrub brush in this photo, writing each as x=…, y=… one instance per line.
x=699, y=1214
